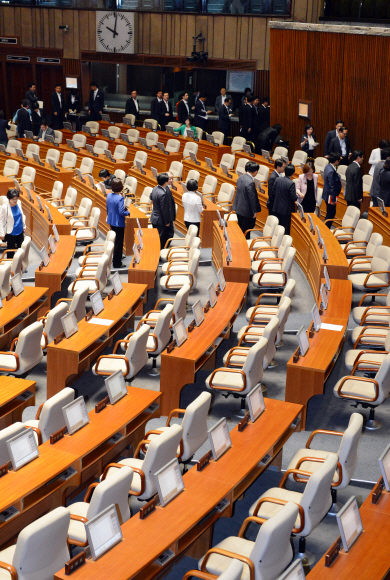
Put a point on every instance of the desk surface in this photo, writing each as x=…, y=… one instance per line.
x=18, y=304
x=145, y=271
x=238, y=270
x=11, y=387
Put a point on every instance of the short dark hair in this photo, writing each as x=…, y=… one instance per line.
x=248, y=90
x=11, y=193
x=35, y=106
x=289, y=170
x=104, y=173
x=159, y=91
x=92, y=84
x=192, y=185
x=195, y=90
x=249, y=99
x=228, y=100
x=385, y=153
x=307, y=167
x=116, y=185
x=339, y=121
x=342, y=129
x=2, y=114
x=189, y=118
x=265, y=100
x=252, y=166
x=386, y=165
x=58, y=85
x=278, y=127
x=383, y=143
x=333, y=157
x=162, y=178
x=44, y=122
x=307, y=127
x=25, y=103
x=203, y=96
x=279, y=163
x=357, y=154
x=31, y=85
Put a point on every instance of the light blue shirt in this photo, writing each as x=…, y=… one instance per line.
x=343, y=146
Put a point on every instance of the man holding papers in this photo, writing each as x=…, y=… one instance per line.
x=332, y=187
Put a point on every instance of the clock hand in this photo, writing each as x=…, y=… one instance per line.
x=113, y=31
x=116, y=22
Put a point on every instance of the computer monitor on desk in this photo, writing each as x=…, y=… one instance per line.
x=22, y=449
x=219, y=438
x=255, y=401
x=198, y=312
x=169, y=481
x=350, y=523
x=116, y=387
x=179, y=332
x=103, y=532
x=97, y=302
x=75, y=415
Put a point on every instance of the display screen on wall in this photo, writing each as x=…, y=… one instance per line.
x=238, y=81
x=71, y=82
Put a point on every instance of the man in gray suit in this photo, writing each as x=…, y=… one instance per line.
x=220, y=100
x=45, y=130
x=375, y=188
x=246, y=203
x=285, y=196
x=354, y=180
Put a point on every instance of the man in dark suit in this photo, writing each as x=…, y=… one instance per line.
x=23, y=119
x=285, y=195
x=340, y=145
x=267, y=138
x=132, y=105
x=164, y=210
x=224, y=115
x=154, y=106
x=96, y=102
x=201, y=115
x=354, y=181
x=246, y=203
x=279, y=169
x=183, y=109
x=247, y=119
x=375, y=187
x=165, y=112
x=256, y=118
x=331, y=135
x=37, y=115
x=220, y=100
x=332, y=187
x=264, y=115
x=44, y=131
x=31, y=94
x=57, y=107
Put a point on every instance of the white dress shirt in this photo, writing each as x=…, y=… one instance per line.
x=136, y=104
x=192, y=207
x=187, y=107
x=59, y=97
x=375, y=157
x=94, y=94
x=167, y=106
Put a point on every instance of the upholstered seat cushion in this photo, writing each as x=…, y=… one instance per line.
x=351, y=356
x=257, y=333
x=76, y=529
x=257, y=244
x=86, y=234
x=359, y=265
x=358, y=281
x=92, y=260
x=378, y=335
x=216, y=564
x=111, y=365
x=343, y=236
x=353, y=388
x=310, y=466
x=237, y=358
x=268, y=266
x=263, y=256
x=7, y=557
x=269, y=279
x=183, y=267
x=268, y=510
x=266, y=312
x=8, y=361
x=226, y=379
x=91, y=270
x=354, y=250
x=174, y=281
x=91, y=284
x=358, y=312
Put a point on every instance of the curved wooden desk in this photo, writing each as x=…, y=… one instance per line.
x=239, y=269
x=145, y=272
x=19, y=312
x=5, y=184
x=381, y=223
x=15, y=395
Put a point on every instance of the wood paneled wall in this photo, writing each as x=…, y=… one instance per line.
x=344, y=75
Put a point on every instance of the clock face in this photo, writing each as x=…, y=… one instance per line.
x=115, y=32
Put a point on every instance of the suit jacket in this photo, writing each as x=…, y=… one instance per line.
x=329, y=136
x=154, y=108
x=36, y=119
x=335, y=146
x=23, y=121
x=375, y=187
x=271, y=189
x=285, y=195
x=162, y=110
x=354, y=183
x=116, y=211
x=32, y=97
x=200, y=119
x=267, y=138
x=332, y=183
x=246, y=202
x=164, y=210
x=224, y=120
x=76, y=104
x=384, y=184
x=246, y=118
x=302, y=183
x=264, y=118
x=305, y=146
x=96, y=105
x=218, y=102
x=131, y=109
x=182, y=112
x=49, y=131
x=255, y=121
x=56, y=106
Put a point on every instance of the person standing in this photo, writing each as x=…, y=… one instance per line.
x=308, y=141
x=256, y=119
x=201, y=115
x=307, y=188
x=224, y=115
x=154, y=105
x=96, y=102
x=183, y=109
x=375, y=187
x=284, y=198
x=247, y=119
x=31, y=95
x=193, y=205
x=165, y=115
x=23, y=119
x=264, y=115
x=354, y=181
x=332, y=187
x=12, y=222
x=340, y=145
x=37, y=116
x=3, y=126
x=132, y=105
x=384, y=183
x=57, y=107
x=116, y=213
x=164, y=210
x=375, y=156
x=280, y=166
x=246, y=203
x=330, y=136
x=220, y=100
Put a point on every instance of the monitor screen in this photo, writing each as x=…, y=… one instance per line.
x=238, y=81
x=52, y=244
x=36, y=158
x=169, y=482
x=303, y=340
x=107, y=153
x=212, y=295
x=69, y=324
x=209, y=161
x=91, y=180
x=193, y=156
x=160, y=146
x=154, y=172
x=139, y=238
x=136, y=253
x=315, y=314
x=197, y=310
x=105, y=133
x=139, y=227
x=52, y=163
x=49, y=213
x=350, y=523
x=116, y=283
x=210, y=138
x=319, y=240
x=22, y=448
x=71, y=82
x=327, y=279
x=225, y=168
x=179, y=332
x=381, y=204
x=265, y=154
x=300, y=209
x=97, y=302
x=325, y=254
x=384, y=464
x=17, y=284
x=56, y=234
x=229, y=251
x=256, y=403
x=311, y=222
x=75, y=415
x=221, y=221
x=138, y=165
x=219, y=438
x=221, y=280
x=28, y=191
x=44, y=256
x=103, y=532
x=39, y=203
x=143, y=141
x=324, y=296
x=294, y=572
x=116, y=387
x=190, y=133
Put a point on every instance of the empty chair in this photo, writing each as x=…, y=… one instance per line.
x=360, y=238
x=120, y=152
x=184, y=243
x=269, y=243
x=267, y=556
x=68, y=203
x=130, y=117
x=16, y=262
x=86, y=166
x=193, y=174
x=319, y=201
x=173, y=145
x=225, y=196
x=253, y=333
x=179, y=304
x=241, y=163
x=5, y=434
x=145, y=203
x=342, y=170
x=94, y=126
x=153, y=122
x=282, y=315
x=199, y=132
x=49, y=417
x=120, y=174
x=114, y=132
x=218, y=137
x=89, y=231
x=378, y=275
x=279, y=152
x=268, y=230
x=361, y=262
x=58, y=137
x=12, y=131
x=91, y=265
x=237, y=144
x=133, y=135
x=227, y=159
x=69, y=160
x=81, y=214
x=11, y=168
x=268, y=279
x=371, y=336
x=26, y=560
x=114, y=490
x=173, y=124
x=344, y=232
x=299, y=157
x=5, y=273
x=26, y=245
x=173, y=282
x=176, y=168
x=264, y=312
x=28, y=351
x=232, y=572
x=100, y=146
x=53, y=154
x=131, y=182
x=141, y=157
x=97, y=281
x=320, y=163
x=12, y=145
x=151, y=139
x=28, y=177
x=263, y=173
x=56, y=192
x=160, y=452
x=373, y=313
x=32, y=148
x=265, y=259
x=77, y=303
x=160, y=336
x=366, y=361
x=177, y=264
x=367, y=182
x=79, y=140
x=209, y=185
x=190, y=146
x=181, y=253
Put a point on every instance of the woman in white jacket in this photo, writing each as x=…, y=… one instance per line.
x=12, y=222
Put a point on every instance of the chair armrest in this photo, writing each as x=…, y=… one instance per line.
x=140, y=445
x=332, y=220
x=199, y=574
x=10, y=569
x=282, y=502
x=111, y=356
x=171, y=239
x=357, y=398
x=375, y=274
x=249, y=332
x=231, y=351
x=93, y=229
x=372, y=294
x=83, y=278
x=179, y=274
x=359, y=260
x=174, y=413
x=178, y=263
x=269, y=295
x=177, y=249
x=247, y=521
x=259, y=251
x=38, y=433
x=320, y=460
x=344, y=228
x=232, y=555
x=354, y=243
x=88, y=495
x=273, y=284
x=78, y=518
x=135, y=469
x=155, y=343
x=372, y=363
x=228, y=370
x=171, y=300
x=17, y=362
x=323, y=432
x=124, y=340
x=6, y=252
x=296, y=473
x=87, y=251
x=266, y=261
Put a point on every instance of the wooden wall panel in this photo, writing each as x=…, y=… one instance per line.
x=219, y=36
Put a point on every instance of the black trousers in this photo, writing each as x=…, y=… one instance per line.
x=165, y=232
x=285, y=221
x=374, y=201
x=330, y=213
x=13, y=243
x=197, y=224
x=57, y=121
x=118, y=246
x=246, y=223
x=354, y=204
x=95, y=116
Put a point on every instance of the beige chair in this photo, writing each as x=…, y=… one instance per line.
x=100, y=146
x=199, y=132
x=360, y=238
x=320, y=163
x=12, y=145
x=120, y=153
x=370, y=392
x=145, y=203
x=370, y=336
x=269, y=279
x=94, y=126
x=313, y=502
x=27, y=354
x=81, y=214
x=253, y=333
x=88, y=232
x=359, y=263
x=218, y=137
x=86, y=166
x=100, y=496
x=342, y=170
x=241, y=163
x=79, y=140
x=152, y=121
x=160, y=336
x=299, y=157
x=141, y=157
x=68, y=203
x=263, y=173
x=173, y=124
x=184, y=243
x=115, y=132
x=176, y=264
x=151, y=139
x=131, y=117
x=5, y=434
x=366, y=361
x=32, y=148
x=69, y=160
x=91, y=265
x=120, y=174
x=98, y=281
x=27, y=178
x=16, y=262
x=374, y=313
x=160, y=452
x=11, y=168
x=179, y=304
x=225, y=196
x=279, y=152
x=5, y=274
x=228, y=159
x=232, y=572
x=344, y=232
x=134, y=359
x=3, y=199
x=26, y=245
x=193, y=174
x=181, y=252
x=52, y=326
x=133, y=135
x=269, y=243
x=265, y=259
x=237, y=144
x=58, y=137
x=319, y=201
x=176, y=168
x=263, y=559
x=378, y=272
x=49, y=417
x=26, y=560
x=282, y=314
x=13, y=131
x=173, y=282
x=190, y=146
x=56, y=192
x=77, y=303
x=268, y=230
x=131, y=182
x=53, y=154
x=367, y=182
x=209, y=185
x=173, y=146
x=261, y=312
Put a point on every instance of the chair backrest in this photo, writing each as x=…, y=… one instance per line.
x=199, y=132
x=136, y=352
x=141, y=156
x=289, y=289
x=17, y=262
x=32, y=148
x=12, y=145
x=93, y=221
x=120, y=174
x=218, y=137
x=367, y=182
x=3, y=199
x=272, y=551
x=194, y=425
x=173, y=124
x=280, y=152
x=114, y=131
x=209, y=184
x=176, y=168
x=320, y=163
x=342, y=170
x=190, y=235
x=299, y=157
x=277, y=237
x=351, y=217
x=8, y=433
x=284, y=246
x=151, y=139
x=53, y=326
x=71, y=196
x=53, y=154
x=12, y=132
x=152, y=121
x=5, y=273
x=381, y=262
x=110, y=237
x=173, y=145
x=78, y=303
x=58, y=137
x=120, y=152
x=131, y=117
x=86, y=165
x=145, y=197
x=100, y=146
x=269, y=227
x=270, y=332
x=227, y=159
x=133, y=135
x=57, y=190
x=28, y=347
x=180, y=302
x=113, y=490
x=101, y=272
x=382, y=377
x=288, y=261
x=237, y=144
x=161, y=330
x=233, y=571
x=241, y=163
x=161, y=450
x=348, y=450
x=316, y=498
x=79, y=140
x=30, y=560
x=376, y=240
x=362, y=231
x=226, y=193
x=194, y=246
x=52, y=417
x=26, y=245
x=190, y=146
x=194, y=266
x=282, y=314
x=28, y=176
x=131, y=182
x=84, y=207
x=94, y=125
x=11, y=168
x=253, y=367
x=193, y=174
x=69, y=160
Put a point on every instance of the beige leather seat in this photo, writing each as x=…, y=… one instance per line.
x=49, y=417
x=114, y=132
x=248, y=335
x=5, y=434
x=366, y=361
x=319, y=201
x=159, y=337
x=263, y=173
x=68, y=203
x=177, y=264
x=378, y=275
x=344, y=231
x=264, y=312
x=367, y=182
x=241, y=163
x=199, y=132
x=173, y=282
x=228, y=159
x=94, y=126
x=28, y=351
x=372, y=314
x=5, y=273
x=131, y=117
x=282, y=314
x=265, y=259
x=91, y=266
x=268, y=243
x=237, y=144
x=359, y=263
x=56, y=192
x=279, y=152
x=12, y=145
x=173, y=124
x=176, y=168
x=320, y=163
x=120, y=153
x=218, y=137
x=369, y=336
x=141, y=157
x=145, y=203
x=69, y=160
x=232, y=572
x=225, y=196
x=58, y=137
x=53, y=154
x=131, y=182
x=133, y=135
x=360, y=238
x=173, y=145
x=100, y=146
x=81, y=214
x=190, y=146
x=179, y=304
x=98, y=281
x=153, y=122
x=193, y=174
x=12, y=131
x=32, y=148
x=86, y=166
x=276, y=280
x=271, y=223
x=299, y=157
x=77, y=303
x=16, y=262
x=79, y=140
x=26, y=245
x=11, y=168
x=28, y=177
x=88, y=232
x=52, y=324
x=120, y=174
x=209, y=185
x=184, y=243
x=151, y=139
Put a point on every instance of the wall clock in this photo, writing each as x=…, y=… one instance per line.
x=115, y=32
